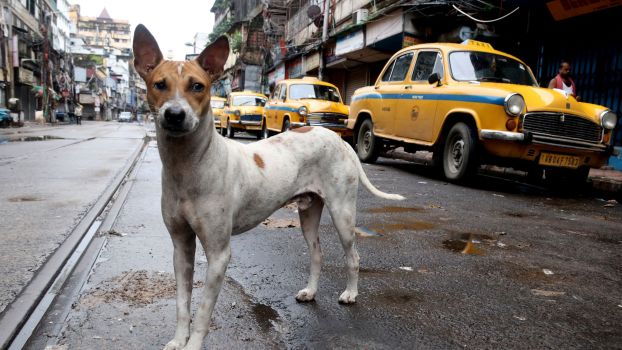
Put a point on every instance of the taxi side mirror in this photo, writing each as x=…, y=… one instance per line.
x=434, y=78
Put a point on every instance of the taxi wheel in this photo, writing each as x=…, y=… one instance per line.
x=265, y=133
x=230, y=131
x=367, y=145
x=223, y=131
x=459, y=154
x=286, y=125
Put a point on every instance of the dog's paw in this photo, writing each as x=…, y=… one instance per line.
x=347, y=297
x=305, y=295
x=175, y=345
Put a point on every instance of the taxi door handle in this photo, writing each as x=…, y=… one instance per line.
x=408, y=87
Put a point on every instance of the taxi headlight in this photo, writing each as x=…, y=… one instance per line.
x=514, y=104
x=608, y=119
x=303, y=111
x=237, y=113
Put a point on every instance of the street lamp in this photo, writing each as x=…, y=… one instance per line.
x=193, y=45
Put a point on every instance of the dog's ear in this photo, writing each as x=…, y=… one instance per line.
x=213, y=57
x=147, y=54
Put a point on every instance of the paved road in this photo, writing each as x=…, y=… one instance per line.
x=52, y=175
x=542, y=270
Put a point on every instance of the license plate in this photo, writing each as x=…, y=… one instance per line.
x=559, y=160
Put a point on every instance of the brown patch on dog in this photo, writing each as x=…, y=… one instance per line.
x=303, y=129
x=259, y=160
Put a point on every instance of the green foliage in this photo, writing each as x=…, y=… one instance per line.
x=220, y=29
x=235, y=41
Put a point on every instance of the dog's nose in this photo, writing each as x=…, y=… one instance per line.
x=174, y=115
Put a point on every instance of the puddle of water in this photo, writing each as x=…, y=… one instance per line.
x=362, y=231
x=405, y=225
x=24, y=199
x=393, y=209
x=466, y=243
x=264, y=315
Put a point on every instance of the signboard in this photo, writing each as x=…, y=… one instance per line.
x=87, y=99
x=410, y=40
x=564, y=9
x=310, y=62
x=350, y=42
x=26, y=76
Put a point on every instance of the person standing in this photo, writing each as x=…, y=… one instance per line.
x=78, y=112
x=563, y=81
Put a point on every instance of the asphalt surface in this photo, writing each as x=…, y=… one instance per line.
x=491, y=264
x=51, y=176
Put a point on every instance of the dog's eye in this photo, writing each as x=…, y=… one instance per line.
x=197, y=87
x=160, y=85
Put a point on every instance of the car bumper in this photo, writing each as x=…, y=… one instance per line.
x=527, y=146
x=246, y=125
x=340, y=129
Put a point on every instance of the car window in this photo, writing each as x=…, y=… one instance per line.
x=282, y=93
x=428, y=62
x=248, y=101
x=217, y=103
x=275, y=93
x=488, y=67
x=313, y=91
x=399, y=68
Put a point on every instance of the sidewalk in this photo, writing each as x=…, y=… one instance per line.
x=605, y=179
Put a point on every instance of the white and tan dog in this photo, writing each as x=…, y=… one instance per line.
x=213, y=187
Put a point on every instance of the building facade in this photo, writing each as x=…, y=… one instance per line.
x=106, y=83
x=35, y=64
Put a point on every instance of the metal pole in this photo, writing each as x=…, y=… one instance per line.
x=324, y=39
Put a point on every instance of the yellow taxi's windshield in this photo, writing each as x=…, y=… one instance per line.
x=217, y=104
x=248, y=101
x=488, y=67
x=312, y=91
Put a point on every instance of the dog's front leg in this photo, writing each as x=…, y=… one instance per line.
x=184, y=245
x=215, y=239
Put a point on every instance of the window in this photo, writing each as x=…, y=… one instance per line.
x=428, y=62
x=488, y=67
x=248, y=101
x=282, y=93
x=398, y=69
x=275, y=93
x=217, y=104
x=315, y=92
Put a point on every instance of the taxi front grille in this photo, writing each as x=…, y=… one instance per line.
x=563, y=126
x=251, y=118
x=337, y=118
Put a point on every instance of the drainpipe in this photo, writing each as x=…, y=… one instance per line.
x=324, y=39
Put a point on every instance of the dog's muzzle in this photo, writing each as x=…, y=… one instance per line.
x=174, y=117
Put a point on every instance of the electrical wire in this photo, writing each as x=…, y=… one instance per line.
x=484, y=21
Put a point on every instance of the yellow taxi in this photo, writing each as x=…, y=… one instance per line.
x=243, y=112
x=307, y=101
x=218, y=109
x=470, y=104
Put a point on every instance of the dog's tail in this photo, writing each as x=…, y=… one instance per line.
x=368, y=185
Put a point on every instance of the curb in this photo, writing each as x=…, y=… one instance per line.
x=612, y=186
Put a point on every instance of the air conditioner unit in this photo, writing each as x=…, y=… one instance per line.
x=359, y=16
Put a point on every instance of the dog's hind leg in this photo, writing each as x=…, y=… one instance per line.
x=184, y=245
x=310, y=215
x=343, y=212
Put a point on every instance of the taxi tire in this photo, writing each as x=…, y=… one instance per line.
x=459, y=153
x=286, y=125
x=370, y=153
x=265, y=133
x=223, y=131
x=230, y=131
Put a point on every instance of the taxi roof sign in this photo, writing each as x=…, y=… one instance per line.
x=477, y=43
